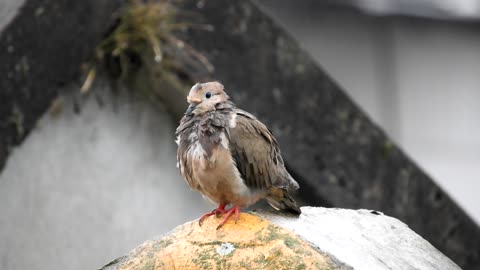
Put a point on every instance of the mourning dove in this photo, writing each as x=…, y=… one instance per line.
x=229, y=156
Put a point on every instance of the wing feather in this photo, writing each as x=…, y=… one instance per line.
x=184, y=161
x=257, y=154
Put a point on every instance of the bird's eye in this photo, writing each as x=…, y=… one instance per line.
x=208, y=95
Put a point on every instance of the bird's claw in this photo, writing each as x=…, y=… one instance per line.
x=202, y=218
x=223, y=223
x=217, y=212
x=234, y=211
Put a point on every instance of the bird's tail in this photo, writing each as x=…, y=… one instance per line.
x=280, y=199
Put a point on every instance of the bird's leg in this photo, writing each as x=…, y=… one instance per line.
x=217, y=211
x=234, y=210
x=220, y=210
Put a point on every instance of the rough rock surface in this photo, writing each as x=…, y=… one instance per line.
x=364, y=239
x=319, y=239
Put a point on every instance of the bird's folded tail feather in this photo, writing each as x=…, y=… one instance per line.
x=280, y=199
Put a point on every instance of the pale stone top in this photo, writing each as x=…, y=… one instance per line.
x=364, y=239
x=321, y=238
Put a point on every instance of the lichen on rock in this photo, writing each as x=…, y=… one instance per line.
x=252, y=243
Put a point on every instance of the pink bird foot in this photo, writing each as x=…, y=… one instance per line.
x=217, y=212
x=234, y=210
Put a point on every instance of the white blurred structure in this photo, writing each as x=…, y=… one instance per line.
x=453, y=9
x=417, y=78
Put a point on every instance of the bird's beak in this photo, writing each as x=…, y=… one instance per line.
x=191, y=108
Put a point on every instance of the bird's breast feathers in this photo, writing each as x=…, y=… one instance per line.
x=206, y=163
x=205, y=152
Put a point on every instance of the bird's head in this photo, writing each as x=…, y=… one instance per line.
x=203, y=97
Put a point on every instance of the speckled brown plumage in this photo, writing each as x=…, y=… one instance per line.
x=229, y=156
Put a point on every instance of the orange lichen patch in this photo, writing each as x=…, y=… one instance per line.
x=252, y=243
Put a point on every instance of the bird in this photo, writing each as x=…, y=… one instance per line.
x=229, y=156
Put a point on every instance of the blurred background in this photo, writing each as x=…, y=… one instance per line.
x=415, y=75
x=95, y=176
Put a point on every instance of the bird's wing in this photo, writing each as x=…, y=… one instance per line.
x=256, y=153
x=185, y=122
x=183, y=159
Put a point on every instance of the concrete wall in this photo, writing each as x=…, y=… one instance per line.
x=418, y=79
x=87, y=187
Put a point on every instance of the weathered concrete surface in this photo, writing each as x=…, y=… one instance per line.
x=336, y=152
x=364, y=239
x=42, y=48
x=8, y=10
x=320, y=238
x=252, y=243
x=87, y=186
x=406, y=84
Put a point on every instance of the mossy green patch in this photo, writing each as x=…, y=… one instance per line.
x=201, y=244
x=159, y=245
x=144, y=37
x=17, y=119
x=278, y=260
x=268, y=234
x=207, y=257
x=245, y=263
x=388, y=148
x=149, y=265
x=141, y=25
x=301, y=266
x=295, y=245
x=203, y=260
x=260, y=260
x=291, y=242
x=165, y=243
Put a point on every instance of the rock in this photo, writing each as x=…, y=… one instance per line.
x=320, y=238
x=364, y=239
